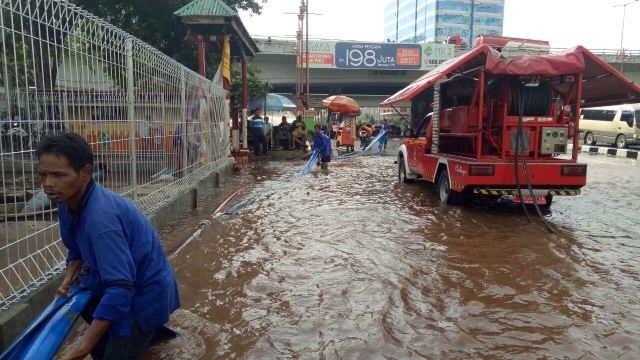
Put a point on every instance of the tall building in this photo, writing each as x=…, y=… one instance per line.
x=436, y=20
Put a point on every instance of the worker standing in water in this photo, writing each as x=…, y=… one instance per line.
x=322, y=144
x=112, y=250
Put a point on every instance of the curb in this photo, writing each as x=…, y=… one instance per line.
x=625, y=153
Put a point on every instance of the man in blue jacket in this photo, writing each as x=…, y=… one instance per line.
x=112, y=250
x=259, y=137
x=322, y=144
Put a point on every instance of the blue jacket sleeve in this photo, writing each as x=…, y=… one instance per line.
x=118, y=274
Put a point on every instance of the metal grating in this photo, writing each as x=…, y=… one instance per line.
x=156, y=128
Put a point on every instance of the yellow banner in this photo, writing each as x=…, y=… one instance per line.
x=226, y=59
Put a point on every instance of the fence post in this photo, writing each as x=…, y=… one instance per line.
x=183, y=103
x=132, y=122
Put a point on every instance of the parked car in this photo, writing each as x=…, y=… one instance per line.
x=395, y=130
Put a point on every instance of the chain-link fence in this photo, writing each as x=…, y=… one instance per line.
x=156, y=127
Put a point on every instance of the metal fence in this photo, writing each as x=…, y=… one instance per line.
x=156, y=127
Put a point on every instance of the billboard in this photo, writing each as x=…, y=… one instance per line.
x=375, y=56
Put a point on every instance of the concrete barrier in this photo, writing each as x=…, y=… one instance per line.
x=602, y=150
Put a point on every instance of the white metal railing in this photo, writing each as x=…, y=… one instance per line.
x=286, y=46
x=618, y=56
x=63, y=69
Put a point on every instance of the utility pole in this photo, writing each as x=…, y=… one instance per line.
x=624, y=12
x=307, y=53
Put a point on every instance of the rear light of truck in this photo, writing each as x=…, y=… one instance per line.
x=481, y=170
x=573, y=170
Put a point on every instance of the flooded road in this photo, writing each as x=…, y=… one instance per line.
x=351, y=264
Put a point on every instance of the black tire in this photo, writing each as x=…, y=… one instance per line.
x=402, y=172
x=337, y=143
x=621, y=142
x=588, y=139
x=549, y=200
x=446, y=194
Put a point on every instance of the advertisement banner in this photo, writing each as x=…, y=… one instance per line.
x=375, y=56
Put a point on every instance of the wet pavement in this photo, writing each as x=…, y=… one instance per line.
x=349, y=263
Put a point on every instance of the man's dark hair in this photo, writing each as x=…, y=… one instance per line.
x=71, y=146
x=317, y=126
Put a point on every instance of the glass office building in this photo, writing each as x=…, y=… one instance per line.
x=435, y=20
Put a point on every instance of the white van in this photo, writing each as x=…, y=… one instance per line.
x=618, y=125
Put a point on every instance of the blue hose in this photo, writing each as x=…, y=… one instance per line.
x=246, y=202
x=379, y=139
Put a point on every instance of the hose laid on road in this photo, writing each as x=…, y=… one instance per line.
x=379, y=139
x=216, y=214
x=205, y=224
x=244, y=203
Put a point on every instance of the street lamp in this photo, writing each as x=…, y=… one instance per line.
x=624, y=11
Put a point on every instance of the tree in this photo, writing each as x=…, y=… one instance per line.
x=367, y=118
x=154, y=23
x=255, y=87
x=32, y=58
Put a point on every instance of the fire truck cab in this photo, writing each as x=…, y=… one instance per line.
x=501, y=128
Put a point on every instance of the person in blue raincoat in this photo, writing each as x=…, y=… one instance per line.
x=259, y=137
x=112, y=250
x=322, y=144
x=385, y=127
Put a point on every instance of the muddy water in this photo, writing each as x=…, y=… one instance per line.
x=350, y=264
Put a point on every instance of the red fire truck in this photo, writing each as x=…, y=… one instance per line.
x=501, y=128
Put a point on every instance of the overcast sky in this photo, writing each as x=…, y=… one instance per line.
x=595, y=24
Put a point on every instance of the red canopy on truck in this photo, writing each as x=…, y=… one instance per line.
x=602, y=84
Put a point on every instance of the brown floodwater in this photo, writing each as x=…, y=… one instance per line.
x=351, y=264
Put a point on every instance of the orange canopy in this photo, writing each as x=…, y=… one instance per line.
x=340, y=103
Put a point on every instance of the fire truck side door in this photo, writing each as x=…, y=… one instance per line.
x=419, y=144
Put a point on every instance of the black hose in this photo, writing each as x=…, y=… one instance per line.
x=520, y=146
x=515, y=94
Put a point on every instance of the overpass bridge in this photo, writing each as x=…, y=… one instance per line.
x=368, y=86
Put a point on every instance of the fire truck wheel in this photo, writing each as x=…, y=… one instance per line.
x=549, y=199
x=621, y=142
x=588, y=139
x=402, y=172
x=337, y=143
x=446, y=194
